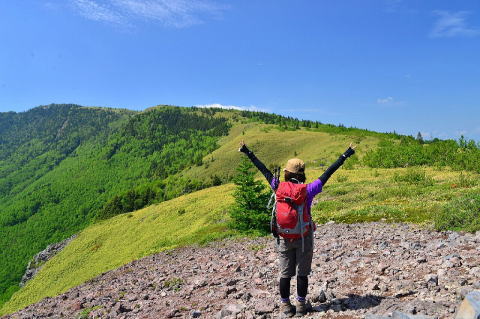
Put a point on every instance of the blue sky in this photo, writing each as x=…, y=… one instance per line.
x=384, y=65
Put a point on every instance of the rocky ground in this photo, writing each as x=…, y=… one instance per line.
x=357, y=270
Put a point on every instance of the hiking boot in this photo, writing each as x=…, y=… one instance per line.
x=301, y=308
x=287, y=310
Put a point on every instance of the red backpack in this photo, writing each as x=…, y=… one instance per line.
x=291, y=218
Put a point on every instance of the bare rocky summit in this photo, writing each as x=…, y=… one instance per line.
x=359, y=269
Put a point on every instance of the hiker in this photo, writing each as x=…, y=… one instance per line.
x=295, y=243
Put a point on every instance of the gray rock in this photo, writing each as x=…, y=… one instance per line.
x=121, y=308
x=402, y=315
x=41, y=258
x=464, y=291
x=470, y=307
x=319, y=296
x=431, y=280
x=232, y=282
x=229, y=310
x=264, y=307
x=330, y=295
x=373, y=286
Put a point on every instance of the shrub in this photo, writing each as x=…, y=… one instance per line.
x=459, y=155
x=257, y=247
x=86, y=312
x=216, y=180
x=414, y=176
x=460, y=214
x=466, y=181
x=249, y=213
x=173, y=283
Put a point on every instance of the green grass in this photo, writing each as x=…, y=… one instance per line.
x=409, y=195
x=117, y=241
x=415, y=176
x=462, y=213
x=274, y=147
x=173, y=283
x=85, y=312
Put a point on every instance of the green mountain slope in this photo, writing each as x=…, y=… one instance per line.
x=60, y=164
x=316, y=147
x=115, y=242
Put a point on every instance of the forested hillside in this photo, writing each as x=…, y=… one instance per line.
x=61, y=164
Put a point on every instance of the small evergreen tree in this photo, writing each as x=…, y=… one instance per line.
x=216, y=180
x=249, y=213
x=420, y=137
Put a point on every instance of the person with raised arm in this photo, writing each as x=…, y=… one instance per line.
x=292, y=224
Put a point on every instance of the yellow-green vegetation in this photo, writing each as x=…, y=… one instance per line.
x=112, y=243
x=274, y=147
x=173, y=283
x=85, y=312
x=416, y=195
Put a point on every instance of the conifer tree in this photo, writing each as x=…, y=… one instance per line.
x=420, y=137
x=249, y=213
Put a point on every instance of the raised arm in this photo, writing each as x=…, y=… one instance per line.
x=326, y=175
x=261, y=167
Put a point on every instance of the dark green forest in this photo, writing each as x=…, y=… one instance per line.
x=65, y=166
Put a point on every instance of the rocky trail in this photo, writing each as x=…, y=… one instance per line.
x=358, y=269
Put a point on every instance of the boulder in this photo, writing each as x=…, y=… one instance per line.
x=470, y=307
x=230, y=310
x=264, y=307
x=319, y=296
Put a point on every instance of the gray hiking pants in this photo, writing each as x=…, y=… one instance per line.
x=292, y=259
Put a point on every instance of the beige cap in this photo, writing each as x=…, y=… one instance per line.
x=295, y=165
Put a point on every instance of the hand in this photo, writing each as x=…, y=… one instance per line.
x=242, y=145
x=350, y=151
